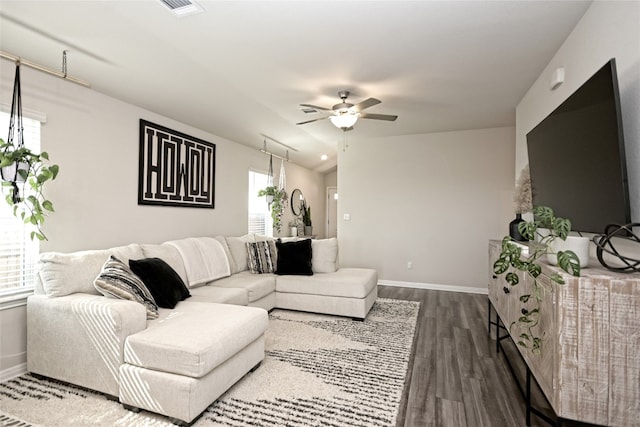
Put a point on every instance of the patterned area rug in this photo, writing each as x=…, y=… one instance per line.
x=318, y=371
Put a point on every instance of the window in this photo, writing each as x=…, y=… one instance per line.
x=260, y=220
x=18, y=254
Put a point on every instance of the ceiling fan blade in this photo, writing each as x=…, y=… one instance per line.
x=316, y=107
x=310, y=121
x=370, y=102
x=387, y=117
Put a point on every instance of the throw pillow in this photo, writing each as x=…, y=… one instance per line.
x=163, y=282
x=238, y=249
x=294, y=258
x=260, y=257
x=324, y=255
x=118, y=281
x=232, y=264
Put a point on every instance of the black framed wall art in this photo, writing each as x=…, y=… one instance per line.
x=175, y=169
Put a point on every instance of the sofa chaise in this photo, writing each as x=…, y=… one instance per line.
x=176, y=361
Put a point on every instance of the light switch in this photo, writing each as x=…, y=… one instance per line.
x=346, y=217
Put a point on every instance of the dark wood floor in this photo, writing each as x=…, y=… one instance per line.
x=456, y=377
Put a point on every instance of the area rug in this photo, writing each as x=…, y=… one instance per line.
x=318, y=371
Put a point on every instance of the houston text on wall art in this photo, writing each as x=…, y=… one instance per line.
x=175, y=169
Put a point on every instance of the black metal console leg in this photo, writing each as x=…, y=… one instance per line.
x=528, y=396
x=497, y=333
x=488, y=317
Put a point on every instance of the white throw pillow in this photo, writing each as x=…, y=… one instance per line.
x=225, y=246
x=324, y=255
x=238, y=248
x=65, y=274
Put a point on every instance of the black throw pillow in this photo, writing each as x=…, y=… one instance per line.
x=294, y=258
x=163, y=282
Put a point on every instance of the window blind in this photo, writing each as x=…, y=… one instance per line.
x=260, y=220
x=18, y=254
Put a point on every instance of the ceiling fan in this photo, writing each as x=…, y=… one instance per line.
x=344, y=115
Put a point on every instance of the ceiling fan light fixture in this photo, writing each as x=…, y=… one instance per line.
x=344, y=120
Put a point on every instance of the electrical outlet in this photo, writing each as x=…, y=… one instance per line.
x=409, y=265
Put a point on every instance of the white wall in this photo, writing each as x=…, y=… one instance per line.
x=94, y=139
x=331, y=179
x=609, y=29
x=433, y=199
x=314, y=194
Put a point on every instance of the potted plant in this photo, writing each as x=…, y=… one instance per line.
x=306, y=218
x=276, y=199
x=512, y=259
x=23, y=169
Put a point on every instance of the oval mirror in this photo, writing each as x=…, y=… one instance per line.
x=296, y=201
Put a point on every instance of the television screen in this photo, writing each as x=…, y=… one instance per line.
x=577, y=159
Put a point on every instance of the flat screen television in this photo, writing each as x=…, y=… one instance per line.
x=577, y=157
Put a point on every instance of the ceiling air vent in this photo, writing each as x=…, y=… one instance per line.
x=308, y=110
x=182, y=7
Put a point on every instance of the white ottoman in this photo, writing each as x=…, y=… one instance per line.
x=189, y=356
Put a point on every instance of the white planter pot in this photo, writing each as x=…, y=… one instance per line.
x=269, y=199
x=579, y=245
x=8, y=173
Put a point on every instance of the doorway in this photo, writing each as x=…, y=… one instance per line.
x=332, y=212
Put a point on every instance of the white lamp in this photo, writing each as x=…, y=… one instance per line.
x=344, y=119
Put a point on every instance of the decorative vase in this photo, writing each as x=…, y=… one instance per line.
x=294, y=231
x=308, y=230
x=577, y=244
x=513, y=229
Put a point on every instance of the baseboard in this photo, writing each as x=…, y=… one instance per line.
x=434, y=287
x=13, y=372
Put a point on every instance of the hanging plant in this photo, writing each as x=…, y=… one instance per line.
x=23, y=172
x=278, y=201
x=24, y=175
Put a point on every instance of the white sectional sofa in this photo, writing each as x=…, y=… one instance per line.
x=180, y=362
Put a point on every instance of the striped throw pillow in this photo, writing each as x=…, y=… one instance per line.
x=118, y=281
x=261, y=257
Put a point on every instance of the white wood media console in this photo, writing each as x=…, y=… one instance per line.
x=589, y=364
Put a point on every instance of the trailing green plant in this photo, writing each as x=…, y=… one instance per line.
x=306, y=213
x=276, y=205
x=32, y=174
x=512, y=259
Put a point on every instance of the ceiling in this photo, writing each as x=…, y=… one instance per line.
x=240, y=69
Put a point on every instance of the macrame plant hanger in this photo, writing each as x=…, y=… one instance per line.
x=282, y=179
x=270, y=173
x=270, y=180
x=16, y=136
